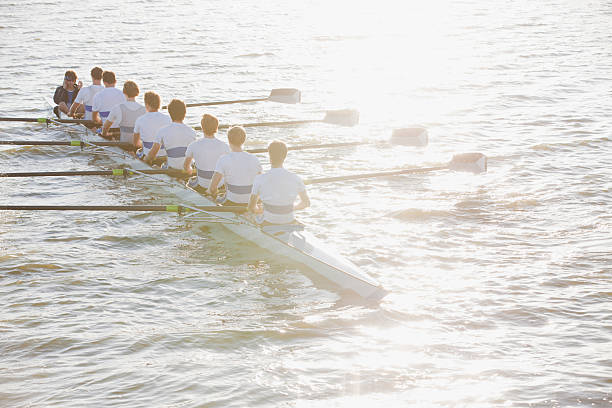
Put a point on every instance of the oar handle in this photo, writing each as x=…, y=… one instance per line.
x=373, y=175
x=114, y=172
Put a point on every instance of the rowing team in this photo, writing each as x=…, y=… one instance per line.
x=219, y=167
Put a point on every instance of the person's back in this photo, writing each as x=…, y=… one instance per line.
x=106, y=99
x=175, y=137
x=147, y=126
x=278, y=188
x=125, y=114
x=238, y=169
x=205, y=152
x=86, y=96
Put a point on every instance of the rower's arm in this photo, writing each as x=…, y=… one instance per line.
x=73, y=109
x=152, y=153
x=187, y=164
x=253, y=207
x=304, y=201
x=136, y=140
x=95, y=117
x=105, y=128
x=214, y=183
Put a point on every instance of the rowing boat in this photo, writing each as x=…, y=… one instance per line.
x=291, y=242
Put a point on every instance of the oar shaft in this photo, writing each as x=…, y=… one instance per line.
x=45, y=120
x=164, y=208
x=374, y=175
x=306, y=147
x=123, y=145
x=280, y=123
x=193, y=105
x=113, y=172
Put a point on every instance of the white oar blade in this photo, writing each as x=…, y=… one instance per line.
x=470, y=162
x=410, y=137
x=342, y=117
x=285, y=95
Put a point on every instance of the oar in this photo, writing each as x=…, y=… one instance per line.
x=280, y=95
x=123, y=145
x=471, y=162
x=47, y=120
x=112, y=172
x=306, y=147
x=161, y=208
x=342, y=117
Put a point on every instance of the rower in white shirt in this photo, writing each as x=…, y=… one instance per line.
x=174, y=138
x=83, y=104
x=278, y=189
x=106, y=99
x=147, y=126
x=205, y=152
x=124, y=115
x=238, y=168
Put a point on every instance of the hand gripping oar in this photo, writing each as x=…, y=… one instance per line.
x=471, y=162
x=123, y=145
x=342, y=117
x=47, y=121
x=113, y=172
x=280, y=95
x=160, y=208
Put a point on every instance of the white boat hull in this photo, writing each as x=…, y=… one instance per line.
x=298, y=246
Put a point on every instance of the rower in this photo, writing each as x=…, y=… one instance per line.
x=84, y=101
x=278, y=189
x=125, y=114
x=238, y=168
x=147, y=126
x=175, y=137
x=106, y=99
x=66, y=93
x=205, y=152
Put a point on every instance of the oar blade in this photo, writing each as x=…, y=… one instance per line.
x=285, y=95
x=470, y=162
x=342, y=117
x=415, y=136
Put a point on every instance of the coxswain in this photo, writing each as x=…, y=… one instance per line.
x=204, y=152
x=175, y=137
x=124, y=115
x=82, y=105
x=277, y=188
x=105, y=100
x=66, y=94
x=238, y=168
x=147, y=126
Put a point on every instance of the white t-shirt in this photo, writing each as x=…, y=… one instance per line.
x=105, y=100
x=205, y=152
x=175, y=138
x=148, y=125
x=278, y=188
x=86, y=96
x=239, y=170
x=115, y=113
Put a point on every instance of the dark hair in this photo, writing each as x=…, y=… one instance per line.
x=152, y=99
x=277, y=151
x=96, y=73
x=70, y=74
x=131, y=89
x=177, y=110
x=109, y=77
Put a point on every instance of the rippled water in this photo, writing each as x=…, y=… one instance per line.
x=500, y=283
